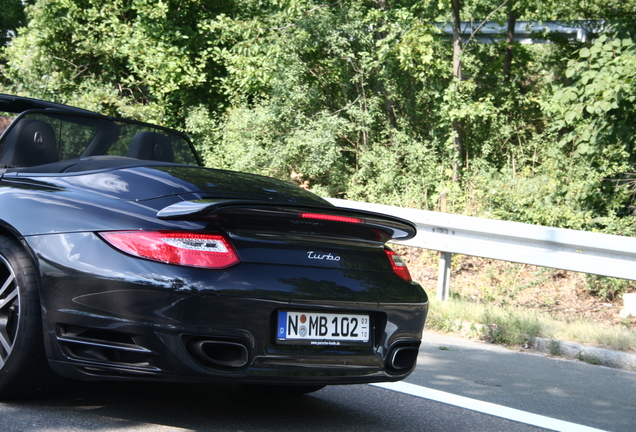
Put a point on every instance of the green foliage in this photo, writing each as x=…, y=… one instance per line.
x=607, y=288
x=357, y=99
x=325, y=107
x=139, y=59
x=511, y=327
x=259, y=140
x=593, y=119
x=596, y=107
x=501, y=325
x=11, y=18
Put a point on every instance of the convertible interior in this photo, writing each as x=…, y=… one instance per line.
x=55, y=141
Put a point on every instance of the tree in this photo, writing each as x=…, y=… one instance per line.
x=359, y=98
x=140, y=58
x=11, y=19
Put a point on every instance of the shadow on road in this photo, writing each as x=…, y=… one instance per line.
x=155, y=407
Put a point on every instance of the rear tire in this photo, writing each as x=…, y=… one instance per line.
x=24, y=370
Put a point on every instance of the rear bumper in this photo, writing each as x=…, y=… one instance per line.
x=110, y=316
x=92, y=348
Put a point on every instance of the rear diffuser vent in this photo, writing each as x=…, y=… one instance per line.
x=103, y=346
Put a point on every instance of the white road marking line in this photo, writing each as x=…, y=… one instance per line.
x=486, y=407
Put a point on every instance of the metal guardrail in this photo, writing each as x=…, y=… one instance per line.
x=581, y=251
x=526, y=32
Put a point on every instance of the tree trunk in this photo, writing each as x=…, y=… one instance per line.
x=457, y=72
x=510, y=38
x=457, y=40
x=380, y=88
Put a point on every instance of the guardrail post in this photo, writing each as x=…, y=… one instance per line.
x=443, y=276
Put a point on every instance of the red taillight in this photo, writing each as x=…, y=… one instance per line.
x=175, y=247
x=333, y=218
x=398, y=264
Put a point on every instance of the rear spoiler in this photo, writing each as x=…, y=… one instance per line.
x=393, y=227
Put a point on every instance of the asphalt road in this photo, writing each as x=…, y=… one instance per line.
x=576, y=392
x=563, y=394
x=163, y=408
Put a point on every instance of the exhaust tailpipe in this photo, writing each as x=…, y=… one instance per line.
x=402, y=357
x=220, y=353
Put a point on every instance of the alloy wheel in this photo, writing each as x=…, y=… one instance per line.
x=9, y=310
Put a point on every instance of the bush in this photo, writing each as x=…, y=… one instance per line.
x=607, y=288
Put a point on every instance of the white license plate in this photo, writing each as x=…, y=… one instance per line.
x=322, y=328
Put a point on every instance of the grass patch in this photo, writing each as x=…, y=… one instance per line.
x=555, y=348
x=620, y=339
x=588, y=359
x=517, y=327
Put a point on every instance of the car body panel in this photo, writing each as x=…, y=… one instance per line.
x=127, y=198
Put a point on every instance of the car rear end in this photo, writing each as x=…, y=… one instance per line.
x=265, y=292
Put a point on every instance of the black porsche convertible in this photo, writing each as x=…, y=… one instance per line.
x=123, y=258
